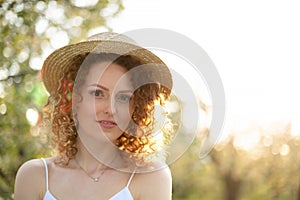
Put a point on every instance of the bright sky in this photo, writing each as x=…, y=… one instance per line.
x=255, y=46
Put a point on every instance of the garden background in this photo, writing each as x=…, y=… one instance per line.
x=255, y=46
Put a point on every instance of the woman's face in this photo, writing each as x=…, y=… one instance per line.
x=106, y=106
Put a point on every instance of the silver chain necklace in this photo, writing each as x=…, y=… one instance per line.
x=95, y=179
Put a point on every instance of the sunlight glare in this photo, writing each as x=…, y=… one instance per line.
x=247, y=140
x=267, y=141
x=295, y=128
x=284, y=150
x=32, y=116
x=84, y=3
x=2, y=94
x=171, y=106
x=59, y=39
x=41, y=26
x=3, y=109
x=36, y=63
x=187, y=71
x=55, y=13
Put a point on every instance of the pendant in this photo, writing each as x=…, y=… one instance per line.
x=96, y=179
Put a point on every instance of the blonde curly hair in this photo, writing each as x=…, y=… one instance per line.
x=136, y=139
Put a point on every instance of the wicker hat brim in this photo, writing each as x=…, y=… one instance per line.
x=60, y=60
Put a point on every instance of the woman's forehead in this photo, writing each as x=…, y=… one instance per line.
x=109, y=75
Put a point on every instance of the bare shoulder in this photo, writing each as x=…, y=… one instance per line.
x=162, y=173
x=155, y=184
x=30, y=169
x=30, y=180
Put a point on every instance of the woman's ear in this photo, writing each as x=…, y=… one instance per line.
x=76, y=99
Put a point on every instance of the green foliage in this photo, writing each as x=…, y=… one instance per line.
x=29, y=31
x=268, y=170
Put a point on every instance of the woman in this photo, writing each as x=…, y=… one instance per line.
x=101, y=114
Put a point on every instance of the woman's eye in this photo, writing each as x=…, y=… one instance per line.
x=97, y=93
x=122, y=98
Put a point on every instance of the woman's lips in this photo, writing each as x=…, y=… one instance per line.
x=107, y=124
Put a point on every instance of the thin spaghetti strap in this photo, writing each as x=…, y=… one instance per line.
x=132, y=175
x=46, y=170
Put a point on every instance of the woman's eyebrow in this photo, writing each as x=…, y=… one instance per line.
x=125, y=91
x=99, y=86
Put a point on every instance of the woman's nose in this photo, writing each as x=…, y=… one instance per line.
x=108, y=107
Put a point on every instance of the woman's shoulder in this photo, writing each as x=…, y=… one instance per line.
x=34, y=168
x=31, y=168
x=158, y=180
x=162, y=173
x=30, y=179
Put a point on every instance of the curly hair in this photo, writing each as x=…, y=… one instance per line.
x=137, y=138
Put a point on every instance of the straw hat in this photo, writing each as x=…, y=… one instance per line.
x=60, y=60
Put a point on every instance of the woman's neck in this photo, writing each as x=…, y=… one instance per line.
x=89, y=162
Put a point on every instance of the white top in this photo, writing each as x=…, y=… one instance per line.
x=124, y=194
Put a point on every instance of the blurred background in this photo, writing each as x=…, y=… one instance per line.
x=255, y=46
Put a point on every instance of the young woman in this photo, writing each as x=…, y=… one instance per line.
x=101, y=115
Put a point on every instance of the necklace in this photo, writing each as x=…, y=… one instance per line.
x=95, y=179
